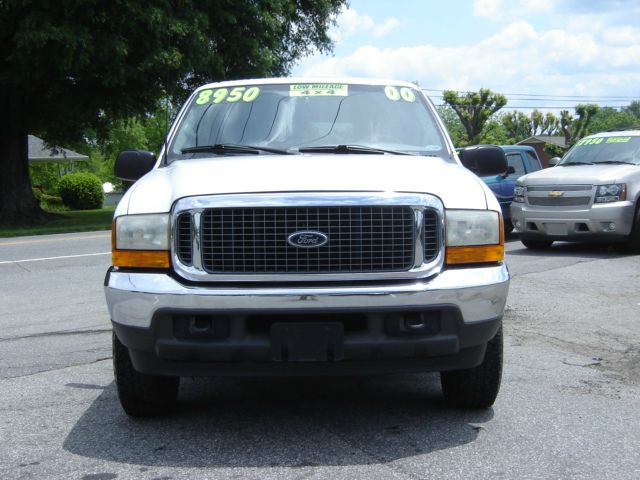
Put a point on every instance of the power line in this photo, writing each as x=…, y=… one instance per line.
x=529, y=107
x=540, y=95
x=604, y=99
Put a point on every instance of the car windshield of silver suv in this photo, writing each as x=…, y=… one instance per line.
x=604, y=150
x=591, y=195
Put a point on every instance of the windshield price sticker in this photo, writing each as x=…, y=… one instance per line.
x=236, y=94
x=618, y=139
x=402, y=93
x=591, y=141
x=319, y=90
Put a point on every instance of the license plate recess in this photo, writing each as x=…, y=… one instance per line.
x=307, y=341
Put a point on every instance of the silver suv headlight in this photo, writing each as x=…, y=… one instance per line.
x=518, y=193
x=616, y=192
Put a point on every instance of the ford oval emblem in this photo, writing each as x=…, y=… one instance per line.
x=307, y=239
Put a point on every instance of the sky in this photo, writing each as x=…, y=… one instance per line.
x=545, y=54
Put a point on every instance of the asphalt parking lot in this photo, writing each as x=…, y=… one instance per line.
x=567, y=409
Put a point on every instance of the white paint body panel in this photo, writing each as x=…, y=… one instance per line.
x=452, y=183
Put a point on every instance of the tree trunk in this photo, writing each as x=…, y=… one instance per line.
x=18, y=205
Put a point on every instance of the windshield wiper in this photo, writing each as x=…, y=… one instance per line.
x=348, y=149
x=570, y=164
x=617, y=162
x=233, y=148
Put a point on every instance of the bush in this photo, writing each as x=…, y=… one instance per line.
x=45, y=176
x=81, y=191
x=51, y=202
x=37, y=193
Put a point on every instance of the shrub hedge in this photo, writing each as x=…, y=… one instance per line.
x=81, y=191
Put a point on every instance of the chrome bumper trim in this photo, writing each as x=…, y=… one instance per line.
x=480, y=294
x=597, y=218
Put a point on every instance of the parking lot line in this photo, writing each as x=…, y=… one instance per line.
x=53, y=258
x=58, y=239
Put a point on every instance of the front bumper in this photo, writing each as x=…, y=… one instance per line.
x=464, y=308
x=608, y=222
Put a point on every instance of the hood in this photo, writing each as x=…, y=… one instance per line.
x=159, y=189
x=581, y=175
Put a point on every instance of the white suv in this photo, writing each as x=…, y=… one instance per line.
x=299, y=227
x=591, y=195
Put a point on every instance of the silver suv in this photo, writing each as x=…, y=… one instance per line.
x=591, y=195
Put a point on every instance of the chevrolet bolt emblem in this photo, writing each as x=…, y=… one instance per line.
x=556, y=194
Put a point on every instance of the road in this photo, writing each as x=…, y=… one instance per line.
x=568, y=407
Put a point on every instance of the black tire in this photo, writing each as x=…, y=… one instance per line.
x=633, y=243
x=476, y=388
x=142, y=395
x=508, y=226
x=536, y=244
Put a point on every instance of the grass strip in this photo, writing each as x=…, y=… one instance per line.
x=70, y=221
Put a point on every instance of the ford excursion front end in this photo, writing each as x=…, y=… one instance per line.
x=292, y=227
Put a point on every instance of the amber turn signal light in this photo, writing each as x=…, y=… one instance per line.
x=141, y=258
x=475, y=254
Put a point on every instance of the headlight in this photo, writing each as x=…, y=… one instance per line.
x=474, y=236
x=472, y=227
x=518, y=193
x=616, y=192
x=141, y=241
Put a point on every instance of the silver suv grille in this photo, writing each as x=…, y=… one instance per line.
x=559, y=202
x=559, y=195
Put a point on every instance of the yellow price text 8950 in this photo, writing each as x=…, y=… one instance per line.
x=236, y=94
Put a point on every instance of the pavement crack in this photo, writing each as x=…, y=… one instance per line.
x=22, y=267
x=60, y=333
x=58, y=368
x=553, y=269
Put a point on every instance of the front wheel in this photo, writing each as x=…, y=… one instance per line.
x=476, y=388
x=633, y=243
x=142, y=395
x=508, y=226
x=536, y=244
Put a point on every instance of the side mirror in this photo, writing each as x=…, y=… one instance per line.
x=133, y=164
x=484, y=160
x=554, y=161
x=510, y=170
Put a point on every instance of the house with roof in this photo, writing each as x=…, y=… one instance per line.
x=65, y=158
x=538, y=142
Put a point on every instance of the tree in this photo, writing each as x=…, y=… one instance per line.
x=634, y=109
x=453, y=124
x=70, y=65
x=608, y=118
x=520, y=126
x=474, y=109
x=493, y=132
x=574, y=128
x=544, y=123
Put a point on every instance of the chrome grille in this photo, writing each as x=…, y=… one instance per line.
x=184, y=239
x=559, y=201
x=430, y=240
x=361, y=239
x=564, y=188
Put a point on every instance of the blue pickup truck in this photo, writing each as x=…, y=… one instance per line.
x=521, y=160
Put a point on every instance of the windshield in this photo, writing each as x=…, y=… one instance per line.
x=289, y=117
x=604, y=150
